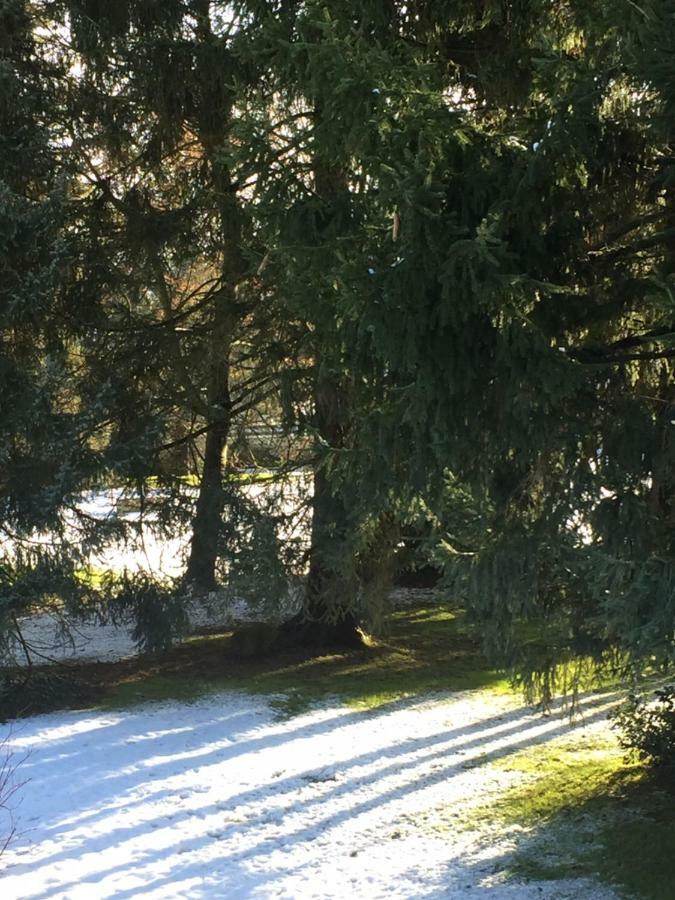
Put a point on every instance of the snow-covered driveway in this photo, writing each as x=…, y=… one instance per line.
x=220, y=799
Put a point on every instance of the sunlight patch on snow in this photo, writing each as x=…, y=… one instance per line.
x=217, y=798
x=53, y=734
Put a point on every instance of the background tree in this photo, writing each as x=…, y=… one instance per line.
x=44, y=431
x=161, y=131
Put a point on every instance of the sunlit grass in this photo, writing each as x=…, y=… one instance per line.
x=97, y=578
x=586, y=811
x=425, y=650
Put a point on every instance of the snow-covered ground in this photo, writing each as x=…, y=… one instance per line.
x=90, y=640
x=220, y=799
x=147, y=550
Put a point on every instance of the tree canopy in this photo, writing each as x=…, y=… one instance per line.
x=432, y=243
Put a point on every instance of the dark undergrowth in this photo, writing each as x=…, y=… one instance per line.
x=425, y=650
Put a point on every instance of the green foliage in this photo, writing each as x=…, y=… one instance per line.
x=158, y=611
x=259, y=564
x=36, y=581
x=647, y=727
x=40, y=454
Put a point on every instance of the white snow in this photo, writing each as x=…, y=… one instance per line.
x=89, y=639
x=146, y=550
x=220, y=799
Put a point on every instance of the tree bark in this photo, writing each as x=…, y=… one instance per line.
x=329, y=617
x=201, y=568
x=212, y=124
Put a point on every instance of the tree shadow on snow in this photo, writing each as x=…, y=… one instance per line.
x=171, y=772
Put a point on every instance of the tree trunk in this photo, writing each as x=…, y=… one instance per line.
x=206, y=525
x=201, y=568
x=328, y=618
x=213, y=122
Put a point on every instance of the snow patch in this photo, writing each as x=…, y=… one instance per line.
x=218, y=798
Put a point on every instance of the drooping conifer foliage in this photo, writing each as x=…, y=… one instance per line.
x=576, y=414
x=43, y=430
x=432, y=242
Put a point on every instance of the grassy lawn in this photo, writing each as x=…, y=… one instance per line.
x=425, y=650
x=586, y=811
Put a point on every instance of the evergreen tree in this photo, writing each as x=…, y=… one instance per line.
x=162, y=124
x=437, y=236
x=322, y=228
x=520, y=321
x=44, y=451
x=539, y=325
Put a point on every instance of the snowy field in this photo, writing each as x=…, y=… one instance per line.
x=220, y=799
x=89, y=640
x=145, y=550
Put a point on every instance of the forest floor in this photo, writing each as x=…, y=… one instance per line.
x=406, y=769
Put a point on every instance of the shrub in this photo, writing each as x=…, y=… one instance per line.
x=8, y=787
x=648, y=727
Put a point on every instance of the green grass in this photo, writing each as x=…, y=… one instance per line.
x=588, y=812
x=425, y=650
x=241, y=477
x=96, y=578
x=156, y=687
